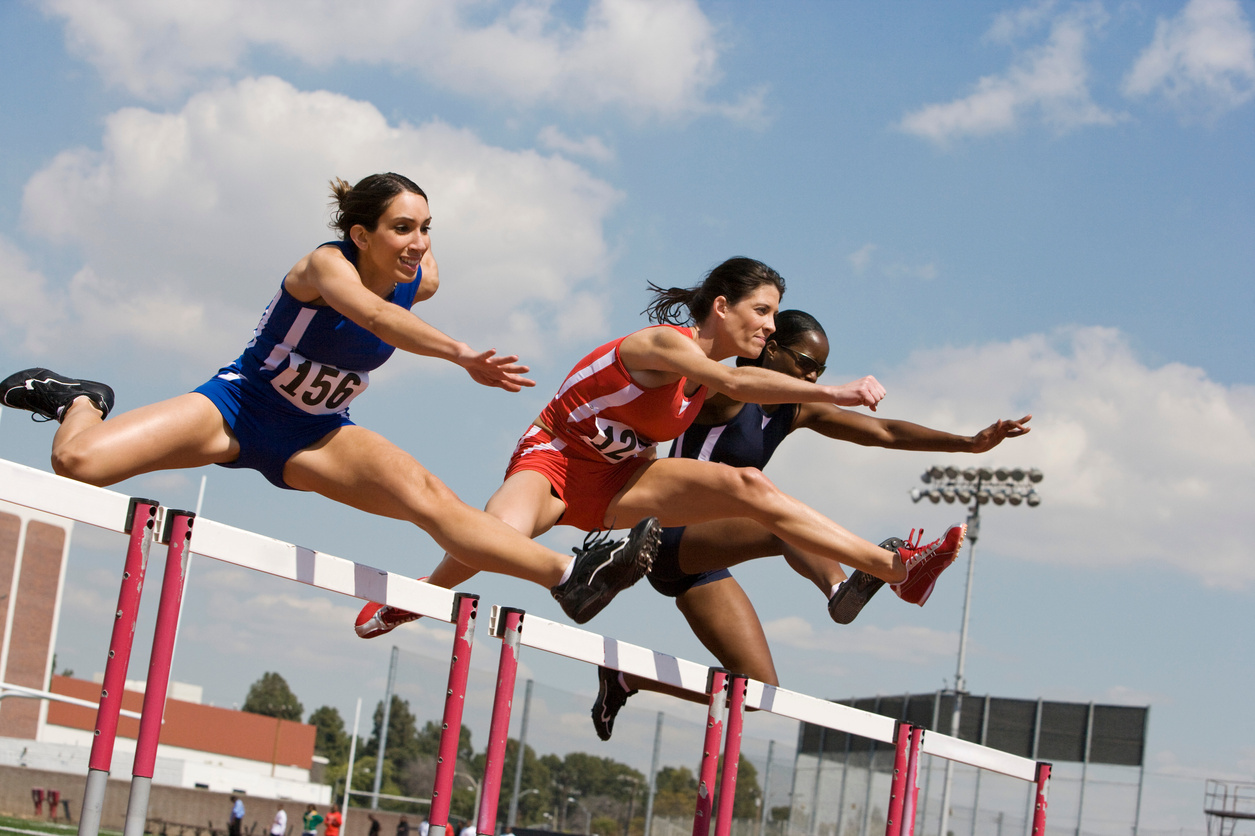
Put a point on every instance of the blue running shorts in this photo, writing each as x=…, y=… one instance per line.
x=268, y=434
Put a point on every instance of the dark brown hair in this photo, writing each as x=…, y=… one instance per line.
x=734, y=279
x=364, y=202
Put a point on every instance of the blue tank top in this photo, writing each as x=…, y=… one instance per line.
x=748, y=440
x=312, y=357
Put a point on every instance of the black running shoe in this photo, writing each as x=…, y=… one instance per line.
x=611, y=696
x=48, y=394
x=603, y=569
x=858, y=589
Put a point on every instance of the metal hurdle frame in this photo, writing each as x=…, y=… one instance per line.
x=735, y=693
x=143, y=519
x=728, y=694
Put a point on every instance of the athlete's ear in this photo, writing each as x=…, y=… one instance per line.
x=357, y=233
x=720, y=306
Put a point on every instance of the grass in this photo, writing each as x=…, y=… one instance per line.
x=14, y=824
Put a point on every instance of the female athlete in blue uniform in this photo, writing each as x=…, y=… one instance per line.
x=282, y=407
x=692, y=562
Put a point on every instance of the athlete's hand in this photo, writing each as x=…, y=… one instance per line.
x=992, y=436
x=865, y=391
x=504, y=372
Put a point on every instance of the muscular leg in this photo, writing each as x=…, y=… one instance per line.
x=719, y=544
x=187, y=431
x=362, y=469
x=723, y=619
x=685, y=492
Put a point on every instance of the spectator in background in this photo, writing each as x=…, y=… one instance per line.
x=331, y=827
x=374, y=825
x=280, y=825
x=403, y=827
x=310, y=821
x=237, y=816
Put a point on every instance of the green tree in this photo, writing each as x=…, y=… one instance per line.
x=402, y=743
x=330, y=740
x=676, y=789
x=272, y=697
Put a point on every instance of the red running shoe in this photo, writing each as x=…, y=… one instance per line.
x=924, y=564
x=376, y=619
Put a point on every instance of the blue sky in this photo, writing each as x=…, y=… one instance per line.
x=994, y=208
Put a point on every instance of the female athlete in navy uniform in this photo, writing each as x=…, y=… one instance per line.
x=587, y=461
x=282, y=407
x=692, y=562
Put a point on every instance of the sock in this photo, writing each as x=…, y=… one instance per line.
x=623, y=682
x=566, y=574
x=836, y=587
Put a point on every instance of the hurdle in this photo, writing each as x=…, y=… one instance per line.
x=145, y=520
x=733, y=693
x=728, y=694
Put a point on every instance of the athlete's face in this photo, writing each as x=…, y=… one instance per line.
x=752, y=321
x=393, y=249
x=806, y=358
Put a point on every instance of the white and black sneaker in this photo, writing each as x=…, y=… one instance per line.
x=48, y=394
x=611, y=696
x=604, y=568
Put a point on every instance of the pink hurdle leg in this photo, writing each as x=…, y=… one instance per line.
x=912, y=782
x=464, y=609
x=897, y=795
x=499, y=726
x=178, y=535
x=142, y=518
x=716, y=687
x=737, y=686
x=1039, y=811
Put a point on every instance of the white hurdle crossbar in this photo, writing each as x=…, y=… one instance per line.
x=909, y=741
x=113, y=511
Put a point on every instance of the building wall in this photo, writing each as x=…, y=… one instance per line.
x=33, y=548
x=174, y=805
x=196, y=727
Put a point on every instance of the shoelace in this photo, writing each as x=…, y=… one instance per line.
x=592, y=540
x=918, y=538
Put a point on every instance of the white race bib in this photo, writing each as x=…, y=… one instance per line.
x=616, y=442
x=317, y=389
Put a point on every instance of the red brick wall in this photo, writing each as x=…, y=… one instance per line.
x=193, y=726
x=33, y=610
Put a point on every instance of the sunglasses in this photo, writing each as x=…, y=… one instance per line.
x=805, y=363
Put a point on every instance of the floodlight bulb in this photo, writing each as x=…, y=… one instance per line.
x=1015, y=498
x=1033, y=499
x=985, y=473
x=934, y=496
x=936, y=472
x=998, y=497
x=926, y=477
x=916, y=494
x=982, y=498
x=964, y=494
x=947, y=493
x=1001, y=474
x=970, y=474
x=1018, y=474
x=1034, y=475
x=952, y=472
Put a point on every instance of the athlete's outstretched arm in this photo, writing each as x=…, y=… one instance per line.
x=669, y=354
x=326, y=273
x=844, y=425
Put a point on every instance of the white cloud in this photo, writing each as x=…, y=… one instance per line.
x=1147, y=468
x=903, y=643
x=592, y=147
x=1048, y=82
x=864, y=259
x=647, y=57
x=187, y=221
x=1202, y=61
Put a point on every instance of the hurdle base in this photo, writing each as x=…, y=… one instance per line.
x=93, y=802
x=137, y=806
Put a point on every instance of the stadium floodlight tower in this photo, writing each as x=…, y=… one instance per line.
x=980, y=486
